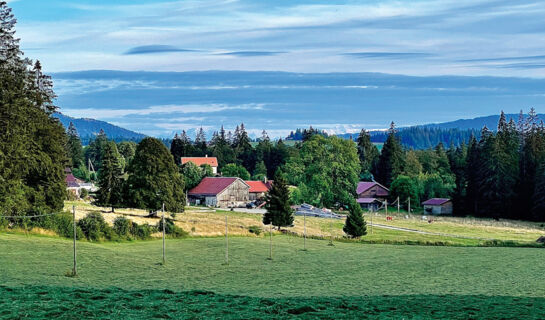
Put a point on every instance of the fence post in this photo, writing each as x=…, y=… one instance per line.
x=397, y=204
x=305, y=231
x=270, y=241
x=75, y=269
x=226, y=242
x=163, y=210
x=409, y=205
x=386, y=206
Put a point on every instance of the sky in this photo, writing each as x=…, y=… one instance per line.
x=466, y=38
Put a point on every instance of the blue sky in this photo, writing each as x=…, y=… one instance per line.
x=419, y=38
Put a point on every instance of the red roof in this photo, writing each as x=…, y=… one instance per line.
x=72, y=181
x=212, y=161
x=212, y=186
x=435, y=201
x=365, y=185
x=257, y=186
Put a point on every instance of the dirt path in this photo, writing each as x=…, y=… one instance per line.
x=426, y=232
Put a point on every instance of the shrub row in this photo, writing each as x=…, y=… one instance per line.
x=93, y=227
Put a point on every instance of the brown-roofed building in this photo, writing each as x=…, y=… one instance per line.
x=371, y=195
x=220, y=192
x=211, y=161
x=438, y=206
x=258, y=189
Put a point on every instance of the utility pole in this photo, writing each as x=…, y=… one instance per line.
x=409, y=205
x=305, y=231
x=226, y=242
x=75, y=269
x=163, y=210
x=270, y=241
x=397, y=204
x=386, y=206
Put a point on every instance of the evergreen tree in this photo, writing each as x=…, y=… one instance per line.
x=279, y=156
x=367, y=152
x=74, y=148
x=222, y=150
x=243, y=149
x=110, y=180
x=279, y=211
x=154, y=178
x=260, y=172
x=391, y=160
x=32, y=143
x=471, y=174
x=96, y=148
x=200, y=144
x=355, y=225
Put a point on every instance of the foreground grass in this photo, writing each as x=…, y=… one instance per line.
x=125, y=280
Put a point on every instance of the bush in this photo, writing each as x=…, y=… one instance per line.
x=84, y=193
x=171, y=229
x=95, y=228
x=122, y=226
x=255, y=230
x=143, y=231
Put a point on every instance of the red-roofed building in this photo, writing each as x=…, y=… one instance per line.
x=258, y=189
x=438, y=206
x=371, y=195
x=211, y=161
x=223, y=192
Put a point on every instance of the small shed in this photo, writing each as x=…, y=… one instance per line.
x=371, y=204
x=258, y=189
x=437, y=206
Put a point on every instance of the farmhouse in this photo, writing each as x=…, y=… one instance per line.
x=258, y=189
x=371, y=195
x=438, y=206
x=211, y=161
x=220, y=192
x=75, y=185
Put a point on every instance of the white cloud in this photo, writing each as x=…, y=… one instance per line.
x=157, y=110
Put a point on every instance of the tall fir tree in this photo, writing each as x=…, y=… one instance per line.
x=279, y=211
x=368, y=154
x=32, y=142
x=201, y=148
x=391, y=160
x=110, y=178
x=74, y=148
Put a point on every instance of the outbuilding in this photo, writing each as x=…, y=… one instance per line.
x=437, y=206
x=258, y=189
x=220, y=192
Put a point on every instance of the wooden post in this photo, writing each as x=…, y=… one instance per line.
x=330, y=229
x=270, y=241
x=75, y=269
x=305, y=231
x=371, y=214
x=397, y=204
x=163, y=210
x=409, y=210
x=386, y=206
x=226, y=242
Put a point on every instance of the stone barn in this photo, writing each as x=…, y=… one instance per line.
x=437, y=206
x=220, y=192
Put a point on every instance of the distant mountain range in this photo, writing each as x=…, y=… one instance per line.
x=89, y=128
x=420, y=136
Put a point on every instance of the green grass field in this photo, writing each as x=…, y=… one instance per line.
x=348, y=280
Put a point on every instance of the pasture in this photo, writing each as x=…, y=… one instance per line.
x=126, y=280
x=205, y=222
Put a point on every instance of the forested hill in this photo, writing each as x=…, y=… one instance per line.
x=89, y=128
x=476, y=123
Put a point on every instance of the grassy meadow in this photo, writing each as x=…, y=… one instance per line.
x=205, y=222
x=126, y=280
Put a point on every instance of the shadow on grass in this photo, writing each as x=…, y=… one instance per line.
x=39, y=302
